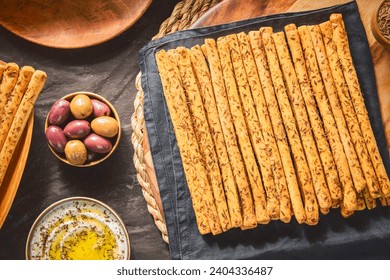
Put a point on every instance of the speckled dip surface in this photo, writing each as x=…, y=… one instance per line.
x=78, y=228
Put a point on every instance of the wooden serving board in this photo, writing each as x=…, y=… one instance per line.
x=235, y=10
x=70, y=24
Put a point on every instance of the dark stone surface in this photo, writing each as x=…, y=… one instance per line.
x=108, y=69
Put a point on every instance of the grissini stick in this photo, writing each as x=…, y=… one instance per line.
x=304, y=177
x=20, y=120
x=203, y=134
x=349, y=111
x=207, y=93
x=241, y=130
x=185, y=136
x=266, y=98
x=328, y=164
x=13, y=101
x=225, y=117
x=344, y=53
x=349, y=194
x=303, y=123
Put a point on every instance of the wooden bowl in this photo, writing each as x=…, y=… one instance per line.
x=114, y=140
x=375, y=25
x=70, y=24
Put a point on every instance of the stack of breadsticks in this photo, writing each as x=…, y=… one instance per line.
x=19, y=89
x=271, y=125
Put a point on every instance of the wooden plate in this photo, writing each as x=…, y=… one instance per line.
x=70, y=24
x=15, y=170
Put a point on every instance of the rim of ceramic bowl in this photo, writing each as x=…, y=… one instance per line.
x=118, y=136
x=75, y=198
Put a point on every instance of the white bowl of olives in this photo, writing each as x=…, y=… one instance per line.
x=82, y=129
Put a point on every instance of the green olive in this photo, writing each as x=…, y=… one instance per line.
x=81, y=106
x=105, y=126
x=76, y=152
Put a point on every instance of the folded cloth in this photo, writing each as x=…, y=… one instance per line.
x=364, y=235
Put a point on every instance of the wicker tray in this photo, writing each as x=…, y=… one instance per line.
x=184, y=14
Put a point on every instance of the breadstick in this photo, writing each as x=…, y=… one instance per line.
x=14, y=100
x=304, y=177
x=328, y=164
x=195, y=172
x=361, y=205
x=20, y=120
x=266, y=129
x=299, y=111
x=243, y=138
x=225, y=117
x=265, y=97
x=369, y=201
x=327, y=116
x=8, y=82
x=349, y=194
x=206, y=91
x=343, y=51
x=253, y=126
x=349, y=112
x=203, y=135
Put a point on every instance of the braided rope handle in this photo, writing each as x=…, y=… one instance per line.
x=184, y=14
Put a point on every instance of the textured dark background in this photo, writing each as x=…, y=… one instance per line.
x=108, y=69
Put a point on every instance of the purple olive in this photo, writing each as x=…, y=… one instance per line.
x=56, y=138
x=97, y=144
x=100, y=109
x=59, y=112
x=77, y=129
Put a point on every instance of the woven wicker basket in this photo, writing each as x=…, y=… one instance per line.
x=183, y=16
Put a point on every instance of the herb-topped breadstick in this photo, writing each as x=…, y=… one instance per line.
x=349, y=111
x=265, y=98
x=8, y=82
x=242, y=132
x=260, y=108
x=326, y=113
x=304, y=177
x=203, y=135
x=299, y=110
x=341, y=40
x=20, y=120
x=324, y=151
x=186, y=141
x=225, y=117
x=349, y=194
x=207, y=93
x=13, y=102
x=254, y=130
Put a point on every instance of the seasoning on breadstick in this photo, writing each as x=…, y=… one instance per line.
x=328, y=164
x=20, y=120
x=341, y=40
x=304, y=177
x=212, y=213
x=8, y=82
x=349, y=111
x=13, y=102
x=261, y=112
x=243, y=138
x=254, y=130
x=203, y=135
x=369, y=201
x=349, y=194
x=207, y=93
x=299, y=111
x=198, y=185
x=225, y=117
x=327, y=116
x=273, y=126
